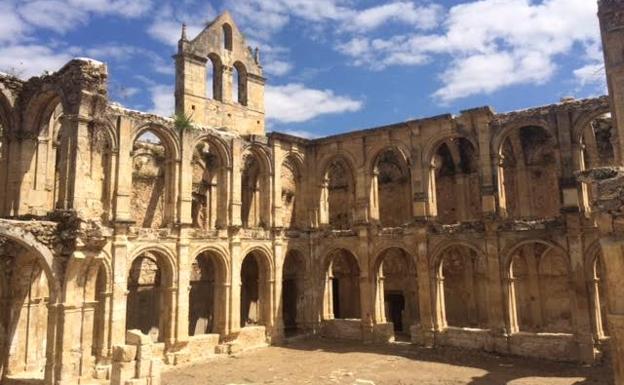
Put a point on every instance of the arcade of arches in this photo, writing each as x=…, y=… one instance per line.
x=125, y=237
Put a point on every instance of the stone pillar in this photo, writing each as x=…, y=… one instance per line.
x=581, y=310
x=181, y=319
x=235, y=190
x=124, y=179
x=496, y=316
x=185, y=177
x=119, y=285
x=425, y=335
x=276, y=312
x=235, y=289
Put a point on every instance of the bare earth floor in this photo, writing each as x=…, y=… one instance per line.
x=328, y=362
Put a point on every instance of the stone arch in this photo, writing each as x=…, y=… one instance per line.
x=256, y=287
x=293, y=304
x=30, y=272
x=291, y=194
x=506, y=129
x=596, y=282
x=214, y=77
x=460, y=276
x=454, y=186
x=226, y=36
x=396, y=289
x=256, y=188
x=155, y=152
x=210, y=184
x=341, y=292
x=338, y=192
x=42, y=185
x=391, y=187
x=208, y=301
x=529, y=169
x=151, y=285
x=539, y=295
x=239, y=83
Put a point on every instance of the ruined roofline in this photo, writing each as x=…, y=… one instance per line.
x=451, y=118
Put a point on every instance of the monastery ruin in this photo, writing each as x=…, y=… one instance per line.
x=130, y=241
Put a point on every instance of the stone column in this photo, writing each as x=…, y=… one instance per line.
x=495, y=293
x=581, y=310
x=235, y=289
x=276, y=311
x=119, y=285
x=181, y=319
x=425, y=335
x=124, y=172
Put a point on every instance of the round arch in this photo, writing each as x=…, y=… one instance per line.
x=225, y=155
x=399, y=149
x=437, y=254
x=42, y=253
x=168, y=138
x=166, y=259
x=220, y=255
x=509, y=251
x=499, y=139
x=436, y=141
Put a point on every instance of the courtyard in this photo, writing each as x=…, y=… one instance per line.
x=328, y=362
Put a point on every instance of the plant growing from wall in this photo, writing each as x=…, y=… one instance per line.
x=183, y=122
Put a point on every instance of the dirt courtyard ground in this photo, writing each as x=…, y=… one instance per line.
x=329, y=362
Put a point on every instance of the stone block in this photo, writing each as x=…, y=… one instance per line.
x=121, y=372
x=143, y=368
x=136, y=381
x=102, y=372
x=136, y=337
x=145, y=352
x=124, y=353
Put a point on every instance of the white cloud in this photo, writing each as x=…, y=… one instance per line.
x=31, y=60
x=163, y=101
x=167, y=25
x=493, y=44
x=277, y=67
x=300, y=133
x=424, y=17
x=294, y=103
x=47, y=14
x=11, y=25
x=487, y=73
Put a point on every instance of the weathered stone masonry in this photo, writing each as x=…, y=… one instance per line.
x=128, y=239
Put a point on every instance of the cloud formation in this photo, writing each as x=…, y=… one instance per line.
x=295, y=103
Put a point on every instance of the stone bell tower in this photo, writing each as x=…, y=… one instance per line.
x=219, y=80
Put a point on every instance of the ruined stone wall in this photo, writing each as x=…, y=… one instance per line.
x=494, y=234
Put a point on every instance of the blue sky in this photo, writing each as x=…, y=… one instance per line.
x=332, y=65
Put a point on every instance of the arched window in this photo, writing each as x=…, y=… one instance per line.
x=461, y=288
x=540, y=291
x=391, y=189
x=338, y=195
x=455, y=181
x=209, y=206
x=227, y=37
x=152, y=200
x=342, y=286
x=293, y=293
x=207, y=304
x=239, y=84
x=290, y=181
x=255, y=184
x=214, y=78
x=396, y=287
x=529, y=174
x=255, y=290
x=597, y=144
